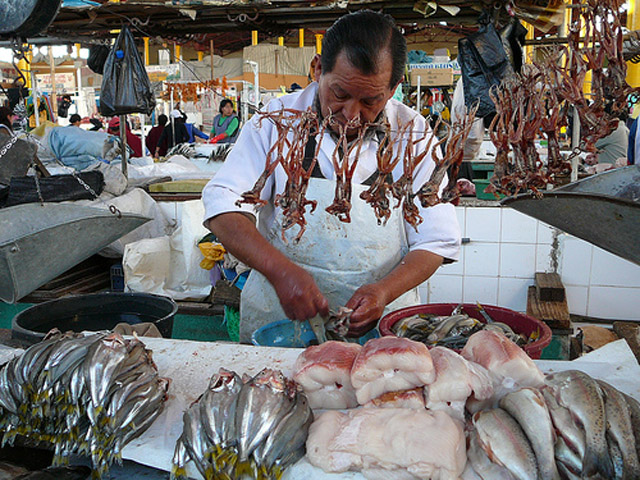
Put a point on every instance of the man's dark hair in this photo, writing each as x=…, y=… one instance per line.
x=363, y=35
x=75, y=118
x=5, y=117
x=162, y=119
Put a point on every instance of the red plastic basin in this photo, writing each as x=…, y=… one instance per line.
x=519, y=322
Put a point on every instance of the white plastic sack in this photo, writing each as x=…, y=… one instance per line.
x=146, y=265
x=135, y=201
x=186, y=278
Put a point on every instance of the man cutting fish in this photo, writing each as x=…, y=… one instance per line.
x=364, y=266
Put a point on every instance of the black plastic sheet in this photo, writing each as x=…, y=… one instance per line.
x=125, y=83
x=484, y=63
x=56, y=188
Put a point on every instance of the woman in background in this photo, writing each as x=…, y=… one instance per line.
x=6, y=115
x=225, y=124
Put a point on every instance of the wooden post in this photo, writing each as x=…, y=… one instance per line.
x=52, y=72
x=123, y=140
x=211, y=53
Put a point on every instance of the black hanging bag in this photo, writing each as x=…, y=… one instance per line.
x=484, y=63
x=125, y=83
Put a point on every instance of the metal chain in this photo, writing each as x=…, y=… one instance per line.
x=7, y=146
x=112, y=208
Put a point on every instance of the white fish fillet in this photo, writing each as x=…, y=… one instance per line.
x=324, y=372
x=390, y=364
x=392, y=440
x=456, y=380
x=511, y=366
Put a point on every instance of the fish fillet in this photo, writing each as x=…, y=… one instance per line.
x=324, y=372
x=404, y=399
x=390, y=364
x=511, y=366
x=391, y=441
x=456, y=380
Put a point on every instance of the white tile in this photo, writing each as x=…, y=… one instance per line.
x=455, y=268
x=512, y=293
x=545, y=233
x=518, y=227
x=543, y=258
x=517, y=260
x=481, y=259
x=445, y=289
x=575, y=261
x=577, y=299
x=461, y=214
x=483, y=224
x=480, y=289
x=610, y=270
x=614, y=303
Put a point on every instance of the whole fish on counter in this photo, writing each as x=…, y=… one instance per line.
x=86, y=395
x=251, y=429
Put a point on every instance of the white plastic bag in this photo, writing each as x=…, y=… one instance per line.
x=146, y=265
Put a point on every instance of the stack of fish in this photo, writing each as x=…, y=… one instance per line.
x=450, y=331
x=572, y=427
x=254, y=428
x=86, y=395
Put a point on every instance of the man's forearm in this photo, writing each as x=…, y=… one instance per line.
x=239, y=235
x=415, y=268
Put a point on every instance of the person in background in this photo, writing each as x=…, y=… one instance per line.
x=132, y=139
x=6, y=121
x=612, y=147
x=362, y=63
x=168, y=135
x=154, y=135
x=225, y=124
x=193, y=132
x=96, y=125
x=64, y=102
x=74, y=120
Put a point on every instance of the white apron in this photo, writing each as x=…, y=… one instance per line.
x=340, y=256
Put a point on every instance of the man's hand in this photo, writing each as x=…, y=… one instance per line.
x=367, y=303
x=298, y=293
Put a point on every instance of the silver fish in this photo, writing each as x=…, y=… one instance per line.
x=567, y=473
x=528, y=407
x=101, y=366
x=218, y=405
x=634, y=410
x=564, y=424
x=262, y=402
x=484, y=468
x=180, y=459
x=195, y=440
x=568, y=457
x=620, y=429
x=581, y=394
x=288, y=436
x=505, y=443
x=443, y=329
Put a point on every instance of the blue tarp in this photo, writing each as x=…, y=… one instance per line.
x=79, y=3
x=77, y=148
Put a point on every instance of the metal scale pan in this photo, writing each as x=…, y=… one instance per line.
x=603, y=209
x=24, y=18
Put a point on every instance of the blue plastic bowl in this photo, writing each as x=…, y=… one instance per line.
x=282, y=333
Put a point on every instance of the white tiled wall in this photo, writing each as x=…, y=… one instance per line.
x=506, y=248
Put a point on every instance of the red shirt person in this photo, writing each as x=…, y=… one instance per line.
x=154, y=136
x=132, y=140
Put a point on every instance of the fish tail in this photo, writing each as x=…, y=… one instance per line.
x=243, y=468
x=595, y=461
x=178, y=473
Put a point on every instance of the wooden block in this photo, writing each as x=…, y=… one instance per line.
x=180, y=186
x=630, y=331
x=549, y=287
x=555, y=314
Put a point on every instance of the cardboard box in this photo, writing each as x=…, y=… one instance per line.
x=432, y=77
